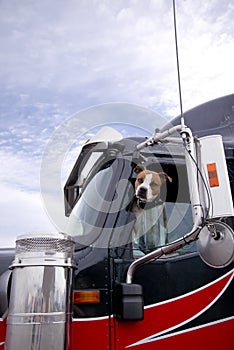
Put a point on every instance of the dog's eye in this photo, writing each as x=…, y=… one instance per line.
x=140, y=180
x=154, y=184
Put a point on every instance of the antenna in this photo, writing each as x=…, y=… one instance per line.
x=178, y=68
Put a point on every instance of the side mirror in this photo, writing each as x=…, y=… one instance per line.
x=129, y=302
x=215, y=244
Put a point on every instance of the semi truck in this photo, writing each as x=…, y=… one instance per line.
x=159, y=277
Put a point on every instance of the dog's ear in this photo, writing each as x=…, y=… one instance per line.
x=139, y=168
x=164, y=177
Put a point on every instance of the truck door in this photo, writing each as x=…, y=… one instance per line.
x=185, y=300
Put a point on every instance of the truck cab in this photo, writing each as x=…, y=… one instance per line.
x=183, y=289
x=143, y=275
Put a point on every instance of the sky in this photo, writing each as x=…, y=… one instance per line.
x=94, y=62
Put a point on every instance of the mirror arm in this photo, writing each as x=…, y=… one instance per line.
x=158, y=136
x=166, y=249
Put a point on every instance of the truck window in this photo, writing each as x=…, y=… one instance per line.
x=162, y=225
x=172, y=219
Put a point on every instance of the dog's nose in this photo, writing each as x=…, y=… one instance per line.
x=143, y=189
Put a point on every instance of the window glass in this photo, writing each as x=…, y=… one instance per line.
x=88, y=166
x=161, y=225
x=91, y=209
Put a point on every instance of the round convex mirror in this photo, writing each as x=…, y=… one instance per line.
x=215, y=244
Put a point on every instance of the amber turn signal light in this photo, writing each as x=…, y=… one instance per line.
x=86, y=297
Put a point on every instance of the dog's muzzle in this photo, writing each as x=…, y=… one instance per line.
x=142, y=194
x=144, y=204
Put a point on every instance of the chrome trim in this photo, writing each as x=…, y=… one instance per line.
x=4, y=286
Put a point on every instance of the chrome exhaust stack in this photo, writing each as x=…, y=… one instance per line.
x=39, y=309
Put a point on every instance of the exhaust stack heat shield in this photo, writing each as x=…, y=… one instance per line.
x=39, y=309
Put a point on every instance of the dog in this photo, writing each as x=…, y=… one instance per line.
x=148, y=184
x=148, y=207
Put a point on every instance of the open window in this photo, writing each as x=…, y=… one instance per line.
x=172, y=218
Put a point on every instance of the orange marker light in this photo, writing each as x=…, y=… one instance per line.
x=213, y=175
x=86, y=297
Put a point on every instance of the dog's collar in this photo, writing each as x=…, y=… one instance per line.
x=148, y=205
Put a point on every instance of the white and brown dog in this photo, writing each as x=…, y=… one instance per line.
x=148, y=184
x=147, y=194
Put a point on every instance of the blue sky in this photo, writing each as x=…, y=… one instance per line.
x=59, y=58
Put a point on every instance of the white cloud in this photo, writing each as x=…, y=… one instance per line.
x=119, y=50
x=19, y=171
x=205, y=36
x=21, y=212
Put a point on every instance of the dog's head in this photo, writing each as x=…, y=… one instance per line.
x=148, y=183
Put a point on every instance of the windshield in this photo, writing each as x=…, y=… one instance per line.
x=102, y=208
